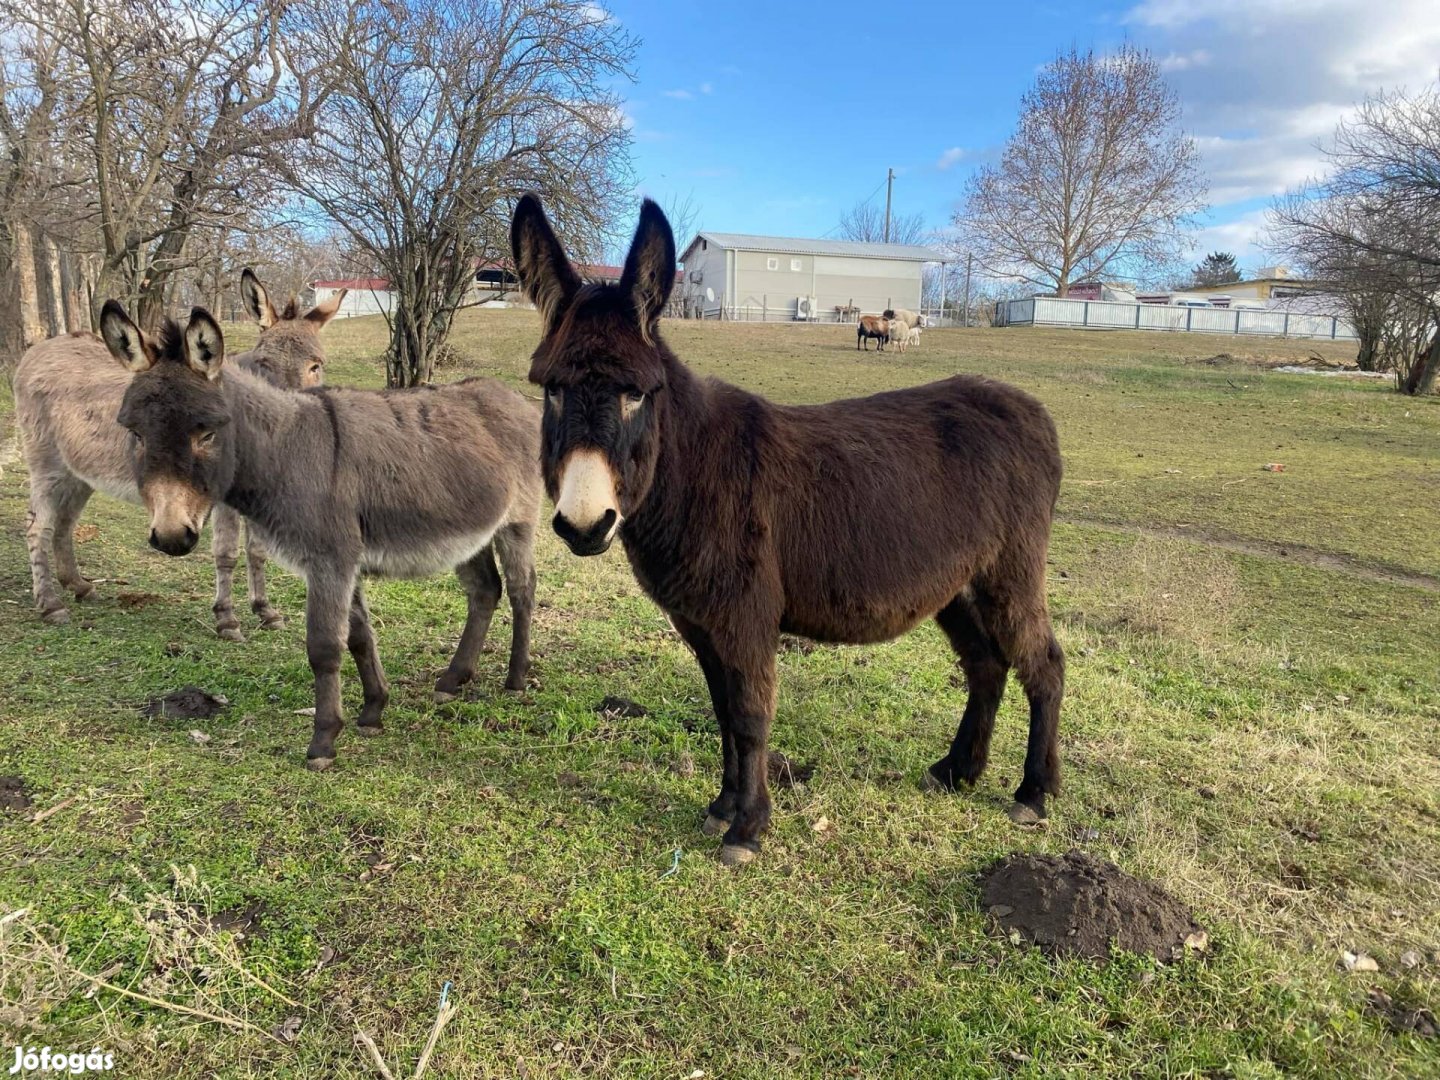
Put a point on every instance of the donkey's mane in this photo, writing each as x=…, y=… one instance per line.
x=172, y=341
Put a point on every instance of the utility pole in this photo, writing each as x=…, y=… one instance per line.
x=968, y=259
x=889, y=183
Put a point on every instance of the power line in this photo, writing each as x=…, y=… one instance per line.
x=864, y=202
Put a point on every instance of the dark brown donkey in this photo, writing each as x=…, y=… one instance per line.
x=398, y=483
x=67, y=392
x=846, y=522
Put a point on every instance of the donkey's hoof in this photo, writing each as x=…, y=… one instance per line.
x=229, y=633
x=715, y=826
x=84, y=590
x=1025, y=814
x=736, y=855
x=930, y=782
x=319, y=764
x=55, y=616
x=370, y=730
x=273, y=621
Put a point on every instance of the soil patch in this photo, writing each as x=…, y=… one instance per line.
x=12, y=793
x=187, y=703
x=1074, y=904
x=132, y=600
x=786, y=773
x=1402, y=1016
x=620, y=707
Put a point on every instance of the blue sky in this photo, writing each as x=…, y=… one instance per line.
x=778, y=117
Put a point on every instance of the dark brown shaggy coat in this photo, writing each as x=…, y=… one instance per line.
x=846, y=522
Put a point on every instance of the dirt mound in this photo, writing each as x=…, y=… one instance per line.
x=1074, y=904
x=12, y=793
x=783, y=772
x=187, y=703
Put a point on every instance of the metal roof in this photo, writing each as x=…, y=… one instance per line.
x=792, y=246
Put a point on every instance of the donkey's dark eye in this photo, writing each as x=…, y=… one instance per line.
x=634, y=397
x=205, y=438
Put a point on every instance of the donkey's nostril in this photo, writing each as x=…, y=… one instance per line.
x=191, y=536
x=154, y=540
x=588, y=541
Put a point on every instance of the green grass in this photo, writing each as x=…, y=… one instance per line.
x=1256, y=731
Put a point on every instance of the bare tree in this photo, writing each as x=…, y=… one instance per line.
x=1097, y=178
x=157, y=118
x=865, y=221
x=1369, y=232
x=444, y=112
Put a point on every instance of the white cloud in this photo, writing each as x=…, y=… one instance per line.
x=1243, y=237
x=707, y=88
x=1263, y=84
x=594, y=13
x=1185, y=61
x=678, y=95
x=950, y=158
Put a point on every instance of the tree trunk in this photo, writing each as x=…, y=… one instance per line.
x=1421, y=379
x=1369, y=354
x=54, y=289
x=32, y=323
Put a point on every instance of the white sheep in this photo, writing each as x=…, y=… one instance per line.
x=913, y=337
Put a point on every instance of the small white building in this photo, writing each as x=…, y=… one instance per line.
x=363, y=296
x=742, y=276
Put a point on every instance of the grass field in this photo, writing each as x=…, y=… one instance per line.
x=1252, y=720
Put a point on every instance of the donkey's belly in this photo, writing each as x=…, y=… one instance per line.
x=423, y=558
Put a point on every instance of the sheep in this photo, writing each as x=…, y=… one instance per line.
x=913, y=337
x=909, y=319
x=872, y=326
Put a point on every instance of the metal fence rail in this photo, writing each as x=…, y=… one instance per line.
x=1107, y=314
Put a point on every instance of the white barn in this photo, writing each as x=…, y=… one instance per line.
x=741, y=276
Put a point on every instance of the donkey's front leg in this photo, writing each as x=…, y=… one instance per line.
x=327, y=618
x=225, y=541
x=255, y=555
x=367, y=663
x=721, y=811
x=749, y=674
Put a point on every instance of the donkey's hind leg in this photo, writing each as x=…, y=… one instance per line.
x=255, y=556
x=1021, y=622
x=481, y=581
x=985, y=669
x=71, y=499
x=516, y=547
x=367, y=662
x=224, y=543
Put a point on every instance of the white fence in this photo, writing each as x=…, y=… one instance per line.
x=1105, y=314
x=763, y=312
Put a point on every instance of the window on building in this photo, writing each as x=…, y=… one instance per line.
x=795, y=265
x=772, y=264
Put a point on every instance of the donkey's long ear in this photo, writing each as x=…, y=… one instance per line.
x=650, y=267
x=256, y=299
x=135, y=350
x=540, y=262
x=204, y=345
x=323, y=312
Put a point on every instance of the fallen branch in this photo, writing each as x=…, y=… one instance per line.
x=364, y=1040
x=443, y=1016
x=49, y=810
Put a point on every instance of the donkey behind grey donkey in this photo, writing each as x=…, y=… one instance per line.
x=67, y=393
x=399, y=483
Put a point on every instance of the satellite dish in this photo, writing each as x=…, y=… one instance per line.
x=709, y=295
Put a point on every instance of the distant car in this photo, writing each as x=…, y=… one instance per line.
x=1193, y=303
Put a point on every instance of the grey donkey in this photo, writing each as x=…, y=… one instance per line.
x=341, y=483
x=67, y=393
